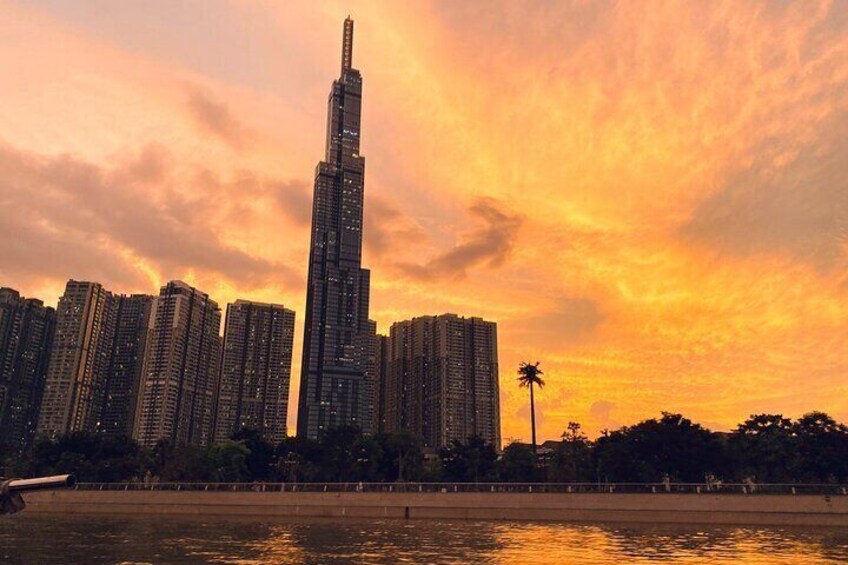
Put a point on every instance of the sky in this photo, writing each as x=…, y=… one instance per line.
x=649, y=198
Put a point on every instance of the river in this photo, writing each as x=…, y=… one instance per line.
x=39, y=538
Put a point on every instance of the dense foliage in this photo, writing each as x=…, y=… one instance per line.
x=766, y=448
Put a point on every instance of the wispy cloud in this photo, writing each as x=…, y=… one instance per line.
x=487, y=245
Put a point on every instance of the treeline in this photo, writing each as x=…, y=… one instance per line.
x=766, y=448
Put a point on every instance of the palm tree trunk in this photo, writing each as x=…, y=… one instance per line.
x=533, y=418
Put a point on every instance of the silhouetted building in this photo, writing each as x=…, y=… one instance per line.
x=123, y=376
x=180, y=372
x=334, y=388
x=92, y=379
x=443, y=379
x=76, y=376
x=381, y=368
x=256, y=370
x=26, y=333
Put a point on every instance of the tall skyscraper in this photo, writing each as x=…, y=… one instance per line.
x=123, y=375
x=180, y=371
x=443, y=379
x=26, y=334
x=73, y=394
x=255, y=371
x=92, y=379
x=337, y=330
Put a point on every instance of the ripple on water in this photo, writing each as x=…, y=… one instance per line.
x=31, y=538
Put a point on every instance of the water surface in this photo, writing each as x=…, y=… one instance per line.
x=34, y=538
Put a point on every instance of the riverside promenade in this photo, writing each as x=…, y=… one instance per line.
x=775, y=505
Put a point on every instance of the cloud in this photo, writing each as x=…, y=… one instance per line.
x=388, y=229
x=295, y=199
x=523, y=414
x=568, y=321
x=787, y=200
x=600, y=412
x=215, y=117
x=488, y=245
x=67, y=215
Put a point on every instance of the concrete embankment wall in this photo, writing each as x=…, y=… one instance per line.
x=782, y=510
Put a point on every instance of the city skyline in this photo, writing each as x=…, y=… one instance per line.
x=656, y=247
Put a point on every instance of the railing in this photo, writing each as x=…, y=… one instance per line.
x=525, y=488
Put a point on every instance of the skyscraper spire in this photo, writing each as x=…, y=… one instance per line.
x=347, y=45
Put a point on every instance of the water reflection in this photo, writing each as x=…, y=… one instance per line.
x=30, y=538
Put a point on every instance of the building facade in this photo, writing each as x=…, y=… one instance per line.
x=381, y=359
x=123, y=375
x=334, y=389
x=79, y=361
x=442, y=379
x=95, y=363
x=255, y=370
x=26, y=334
x=180, y=370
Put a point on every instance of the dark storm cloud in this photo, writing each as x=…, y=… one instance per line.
x=786, y=201
x=489, y=245
x=67, y=216
x=213, y=116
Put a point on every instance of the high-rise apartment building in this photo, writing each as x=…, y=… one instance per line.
x=26, y=333
x=333, y=387
x=123, y=375
x=255, y=371
x=443, y=379
x=82, y=345
x=95, y=362
x=381, y=374
x=180, y=371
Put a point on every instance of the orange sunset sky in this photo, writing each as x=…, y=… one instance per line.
x=649, y=198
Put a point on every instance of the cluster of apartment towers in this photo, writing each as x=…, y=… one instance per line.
x=156, y=368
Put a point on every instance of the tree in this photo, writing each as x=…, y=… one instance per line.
x=472, y=461
x=517, y=464
x=298, y=459
x=529, y=375
x=91, y=457
x=178, y=463
x=401, y=457
x=822, y=448
x=572, y=460
x=764, y=448
x=672, y=447
x=228, y=460
x=340, y=453
x=261, y=453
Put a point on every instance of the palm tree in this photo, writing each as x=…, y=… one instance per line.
x=528, y=375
